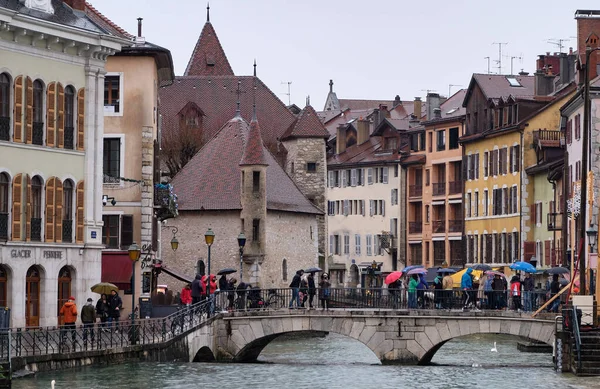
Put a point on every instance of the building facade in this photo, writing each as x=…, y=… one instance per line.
x=51, y=124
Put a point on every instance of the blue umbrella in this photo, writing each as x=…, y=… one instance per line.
x=523, y=266
x=409, y=268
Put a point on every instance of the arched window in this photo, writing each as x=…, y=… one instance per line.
x=32, y=297
x=38, y=112
x=4, y=180
x=284, y=270
x=69, y=116
x=4, y=107
x=36, y=208
x=67, y=216
x=200, y=268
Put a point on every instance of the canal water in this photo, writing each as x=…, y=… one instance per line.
x=333, y=361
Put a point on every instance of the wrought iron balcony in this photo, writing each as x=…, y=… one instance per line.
x=415, y=191
x=554, y=221
x=455, y=187
x=415, y=227
x=438, y=226
x=439, y=188
x=38, y=133
x=3, y=225
x=69, y=140
x=36, y=229
x=4, y=128
x=455, y=225
x=67, y=231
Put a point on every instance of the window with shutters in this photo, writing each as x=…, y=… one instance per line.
x=505, y=199
x=346, y=244
x=69, y=118
x=112, y=159
x=5, y=109
x=476, y=209
x=110, y=231
x=468, y=205
x=369, y=245
x=113, y=101
x=370, y=176
x=577, y=126
x=485, y=203
x=4, y=187
x=68, y=211
x=357, y=250
x=485, y=164
x=360, y=177
x=514, y=199
x=38, y=113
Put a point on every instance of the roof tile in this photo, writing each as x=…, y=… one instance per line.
x=307, y=125
x=253, y=147
x=208, y=57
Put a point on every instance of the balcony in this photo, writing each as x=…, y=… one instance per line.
x=36, y=229
x=455, y=187
x=415, y=191
x=69, y=140
x=38, y=133
x=439, y=188
x=554, y=221
x=67, y=231
x=415, y=227
x=3, y=225
x=4, y=128
x=438, y=226
x=455, y=225
x=548, y=138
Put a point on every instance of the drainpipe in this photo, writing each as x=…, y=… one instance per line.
x=521, y=162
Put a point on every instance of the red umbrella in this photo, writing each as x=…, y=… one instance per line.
x=393, y=277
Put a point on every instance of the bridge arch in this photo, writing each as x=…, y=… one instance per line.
x=391, y=337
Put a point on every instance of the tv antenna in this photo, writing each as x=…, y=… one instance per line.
x=289, y=91
x=499, y=61
x=488, y=58
x=450, y=88
x=558, y=42
x=428, y=90
x=512, y=57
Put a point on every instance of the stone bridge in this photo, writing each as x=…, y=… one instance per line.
x=411, y=337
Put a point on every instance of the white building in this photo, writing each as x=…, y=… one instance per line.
x=51, y=128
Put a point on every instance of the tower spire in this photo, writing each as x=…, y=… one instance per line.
x=208, y=12
x=254, y=67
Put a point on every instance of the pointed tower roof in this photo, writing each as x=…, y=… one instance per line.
x=208, y=57
x=253, y=147
x=307, y=125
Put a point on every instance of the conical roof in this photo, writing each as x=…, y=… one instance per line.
x=307, y=125
x=253, y=147
x=208, y=57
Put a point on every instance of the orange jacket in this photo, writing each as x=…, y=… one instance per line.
x=69, y=311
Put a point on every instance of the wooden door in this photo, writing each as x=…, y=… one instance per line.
x=32, y=298
x=64, y=291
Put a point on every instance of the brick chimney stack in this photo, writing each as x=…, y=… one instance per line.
x=78, y=5
x=417, y=107
x=588, y=30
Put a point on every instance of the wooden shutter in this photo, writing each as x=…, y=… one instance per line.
x=517, y=158
x=51, y=114
x=79, y=216
x=533, y=208
x=17, y=202
x=58, y=210
x=29, y=111
x=81, y=119
x=528, y=250
x=547, y=252
x=126, y=231
x=18, y=119
x=60, y=118
x=50, y=185
x=28, y=210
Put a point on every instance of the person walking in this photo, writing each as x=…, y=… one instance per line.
x=212, y=289
x=554, y=289
x=88, y=318
x=69, y=313
x=231, y=293
x=102, y=310
x=324, y=291
x=312, y=289
x=497, y=287
x=438, y=286
x=115, y=305
x=186, y=294
x=295, y=285
x=528, y=287
x=412, y=291
x=303, y=291
x=196, y=293
x=466, y=285
x=448, y=285
x=515, y=291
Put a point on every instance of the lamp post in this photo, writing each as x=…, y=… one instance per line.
x=241, y=243
x=134, y=254
x=209, y=238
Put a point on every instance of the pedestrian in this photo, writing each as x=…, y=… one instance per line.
x=295, y=285
x=203, y=292
x=102, y=310
x=421, y=288
x=448, y=285
x=394, y=290
x=324, y=291
x=528, y=287
x=231, y=293
x=69, y=313
x=196, y=293
x=186, y=294
x=412, y=291
x=554, y=289
x=115, y=305
x=312, y=289
x=515, y=291
x=466, y=285
x=488, y=290
x=438, y=286
x=223, y=282
x=88, y=318
x=212, y=289
x=303, y=291
x=497, y=286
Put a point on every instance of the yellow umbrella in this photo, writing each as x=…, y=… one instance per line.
x=456, y=277
x=104, y=288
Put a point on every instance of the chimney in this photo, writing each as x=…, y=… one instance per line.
x=544, y=83
x=588, y=29
x=139, y=39
x=437, y=113
x=362, y=127
x=140, y=27
x=397, y=101
x=523, y=73
x=340, y=139
x=417, y=107
x=433, y=102
x=78, y=5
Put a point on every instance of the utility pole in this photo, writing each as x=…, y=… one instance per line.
x=499, y=62
x=488, y=58
x=289, y=91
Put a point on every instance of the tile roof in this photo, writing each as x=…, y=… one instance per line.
x=217, y=98
x=105, y=22
x=307, y=125
x=364, y=104
x=211, y=180
x=253, y=147
x=453, y=106
x=366, y=153
x=497, y=85
x=208, y=57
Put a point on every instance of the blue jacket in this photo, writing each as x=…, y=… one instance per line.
x=422, y=282
x=466, y=282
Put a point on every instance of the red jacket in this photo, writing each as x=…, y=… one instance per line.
x=186, y=296
x=213, y=284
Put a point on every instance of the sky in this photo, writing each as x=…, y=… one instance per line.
x=372, y=49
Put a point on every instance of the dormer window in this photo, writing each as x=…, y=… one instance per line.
x=390, y=143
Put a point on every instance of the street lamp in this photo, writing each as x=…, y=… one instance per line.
x=241, y=243
x=592, y=233
x=209, y=238
x=134, y=254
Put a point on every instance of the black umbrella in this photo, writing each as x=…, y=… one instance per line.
x=446, y=271
x=557, y=270
x=481, y=266
x=313, y=270
x=225, y=271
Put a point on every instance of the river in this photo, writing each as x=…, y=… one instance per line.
x=333, y=361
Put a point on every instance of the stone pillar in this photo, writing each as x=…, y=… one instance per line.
x=148, y=183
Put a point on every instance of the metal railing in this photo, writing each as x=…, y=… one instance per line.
x=438, y=226
x=415, y=190
x=455, y=225
x=455, y=187
x=415, y=227
x=554, y=221
x=571, y=323
x=439, y=188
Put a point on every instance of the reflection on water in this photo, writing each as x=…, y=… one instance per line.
x=334, y=361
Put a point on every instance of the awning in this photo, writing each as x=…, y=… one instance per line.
x=116, y=269
x=174, y=274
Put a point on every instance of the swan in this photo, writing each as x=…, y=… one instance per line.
x=52, y=384
x=494, y=349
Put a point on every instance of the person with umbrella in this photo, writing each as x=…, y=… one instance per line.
x=448, y=285
x=412, y=291
x=312, y=289
x=438, y=285
x=554, y=289
x=102, y=309
x=528, y=287
x=515, y=291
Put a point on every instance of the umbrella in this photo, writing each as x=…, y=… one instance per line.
x=557, y=270
x=495, y=273
x=523, y=266
x=226, y=271
x=408, y=268
x=418, y=270
x=313, y=270
x=104, y=288
x=446, y=271
x=481, y=266
x=393, y=277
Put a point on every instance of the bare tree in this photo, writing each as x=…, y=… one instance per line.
x=182, y=142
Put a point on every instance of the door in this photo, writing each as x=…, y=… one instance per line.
x=32, y=297
x=64, y=290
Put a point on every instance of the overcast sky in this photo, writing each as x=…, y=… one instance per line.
x=372, y=49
